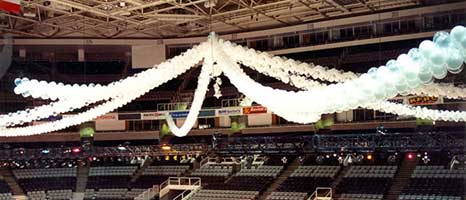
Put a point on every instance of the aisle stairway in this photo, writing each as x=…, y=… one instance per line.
x=81, y=181
x=141, y=169
x=401, y=179
x=11, y=181
x=341, y=174
x=280, y=179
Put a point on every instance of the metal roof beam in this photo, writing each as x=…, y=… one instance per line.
x=337, y=5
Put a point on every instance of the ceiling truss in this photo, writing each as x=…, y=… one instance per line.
x=175, y=18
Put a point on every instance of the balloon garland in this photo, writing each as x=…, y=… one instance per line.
x=413, y=73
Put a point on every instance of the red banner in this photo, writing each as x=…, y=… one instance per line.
x=254, y=110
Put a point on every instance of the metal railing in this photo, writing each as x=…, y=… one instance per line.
x=149, y=193
x=187, y=194
x=321, y=193
x=179, y=183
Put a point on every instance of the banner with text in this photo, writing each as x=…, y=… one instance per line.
x=254, y=110
x=229, y=111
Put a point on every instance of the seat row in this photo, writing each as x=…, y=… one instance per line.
x=437, y=172
x=214, y=170
x=51, y=194
x=44, y=173
x=287, y=196
x=6, y=196
x=261, y=171
x=113, y=171
x=225, y=194
x=166, y=170
x=114, y=194
x=316, y=171
x=361, y=197
x=371, y=171
x=428, y=197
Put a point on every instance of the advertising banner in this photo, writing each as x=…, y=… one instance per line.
x=418, y=100
x=108, y=116
x=179, y=114
x=254, y=110
x=150, y=116
x=229, y=111
x=206, y=113
x=132, y=116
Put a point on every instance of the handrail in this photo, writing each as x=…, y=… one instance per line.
x=204, y=161
x=317, y=194
x=149, y=193
x=186, y=194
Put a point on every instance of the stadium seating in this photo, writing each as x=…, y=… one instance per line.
x=436, y=181
x=213, y=174
x=361, y=197
x=363, y=180
x=110, y=177
x=254, y=179
x=307, y=178
x=225, y=195
x=5, y=191
x=155, y=175
x=214, y=170
x=6, y=196
x=46, y=179
x=51, y=195
x=287, y=196
x=112, y=194
x=428, y=197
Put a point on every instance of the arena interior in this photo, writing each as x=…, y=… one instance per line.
x=232, y=99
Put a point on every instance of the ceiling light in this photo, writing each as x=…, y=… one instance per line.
x=166, y=147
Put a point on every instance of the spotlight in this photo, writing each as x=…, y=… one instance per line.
x=391, y=159
x=45, y=151
x=360, y=158
x=410, y=156
x=121, y=148
x=166, y=147
x=369, y=157
x=320, y=159
x=425, y=159
x=76, y=150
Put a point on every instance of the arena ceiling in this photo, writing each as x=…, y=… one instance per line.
x=176, y=18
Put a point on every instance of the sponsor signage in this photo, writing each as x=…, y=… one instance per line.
x=254, y=110
x=206, y=113
x=417, y=100
x=179, y=114
x=109, y=116
x=150, y=116
x=229, y=111
x=184, y=114
x=133, y=116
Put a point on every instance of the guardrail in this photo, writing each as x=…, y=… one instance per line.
x=180, y=183
x=187, y=194
x=321, y=193
x=149, y=193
